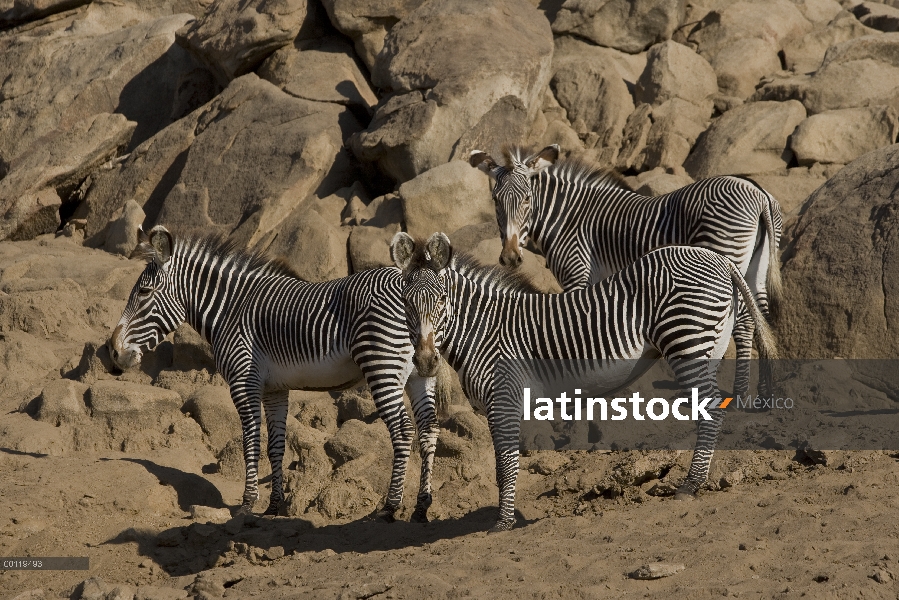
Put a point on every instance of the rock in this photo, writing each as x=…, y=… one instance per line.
x=839, y=270
x=656, y=571
x=818, y=11
x=636, y=132
x=367, y=22
x=52, y=168
x=121, y=234
x=305, y=445
x=370, y=247
x=128, y=406
x=741, y=65
x=751, y=138
x=37, y=594
x=877, y=16
x=628, y=26
x=212, y=408
x=776, y=21
x=595, y=93
x=356, y=404
x=805, y=54
x=324, y=71
x=506, y=120
x=676, y=126
x=62, y=401
x=32, y=10
x=546, y=463
x=675, y=71
x=70, y=79
x=314, y=409
x=206, y=514
x=792, y=189
x=383, y=211
x=860, y=72
x=190, y=351
x=446, y=198
x=355, y=439
x=233, y=37
x=433, y=64
x=203, y=174
x=92, y=589
x=881, y=575
x=467, y=425
x=658, y=182
x=152, y=592
x=346, y=498
x=315, y=249
x=841, y=136
x=570, y=49
x=21, y=433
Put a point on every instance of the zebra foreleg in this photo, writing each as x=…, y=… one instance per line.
x=388, y=399
x=275, y=404
x=424, y=408
x=504, y=423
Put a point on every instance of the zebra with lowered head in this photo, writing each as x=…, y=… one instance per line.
x=676, y=302
x=588, y=223
x=271, y=332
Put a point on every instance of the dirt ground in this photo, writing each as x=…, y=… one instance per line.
x=123, y=488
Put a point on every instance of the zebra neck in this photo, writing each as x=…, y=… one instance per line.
x=475, y=320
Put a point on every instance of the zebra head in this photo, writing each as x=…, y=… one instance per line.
x=513, y=195
x=153, y=310
x=425, y=295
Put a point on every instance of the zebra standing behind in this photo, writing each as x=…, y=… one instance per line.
x=588, y=223
x=271, y=332
x=676, y=302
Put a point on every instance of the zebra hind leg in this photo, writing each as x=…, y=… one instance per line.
x=699, y=374
x=276, y=404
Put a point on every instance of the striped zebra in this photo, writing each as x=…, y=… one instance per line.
x=271, y=332
x=676, y=302
x=588, y=223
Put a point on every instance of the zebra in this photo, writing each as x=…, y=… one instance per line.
x=588, y=223
x=271, y=332
x=675, y=302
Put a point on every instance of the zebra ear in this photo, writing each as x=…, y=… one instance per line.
x=402, y=247
x=163, y=243
x=440, y=249
x=143, y=250
x=482, y=161
x=545, y=158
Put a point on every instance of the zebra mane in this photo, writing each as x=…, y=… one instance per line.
x=572, y=169
x=494, y=277
x=245, y=259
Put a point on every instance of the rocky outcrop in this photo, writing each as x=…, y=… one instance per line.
x=841, y=136
x=620, y=24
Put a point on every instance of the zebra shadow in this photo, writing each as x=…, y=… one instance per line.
x=256, y=540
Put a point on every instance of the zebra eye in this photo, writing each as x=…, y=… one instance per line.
x=145, y=291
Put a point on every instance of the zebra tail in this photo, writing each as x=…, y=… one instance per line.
x=764, y=336
x=773, y=280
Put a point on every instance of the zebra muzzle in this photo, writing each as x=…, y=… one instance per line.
x=426, y=358
x=511, y=254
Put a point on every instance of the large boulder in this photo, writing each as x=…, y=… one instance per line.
x=367, y=22
x=241, y=164
x=877, y=15
x=355, y=439
x=841, y=136
x=212, y=408
x=53, y=81
x=325, y=71
x=860, y=72
x=675, y=71
x=751, y=138
x=628, y=25
x=22, y=11
x=741, y=65
x=56, y=164
x=446, y=198
x=841, y=270
x=446, y=64
x=676, y=125
x=805, y=54
x=233, y=37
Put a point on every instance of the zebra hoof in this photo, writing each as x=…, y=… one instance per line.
x=386, y=514
x=245, y=510
x=502, y=525
x=420, y=516
x=685, y=493
x=272, y=510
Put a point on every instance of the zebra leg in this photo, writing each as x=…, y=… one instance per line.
x=697, y=373
x=275, y=404
x=744, y=329
x=423, y=407
x=504, y=429
x=388, y=397
x=246, y=396
x=757, y=277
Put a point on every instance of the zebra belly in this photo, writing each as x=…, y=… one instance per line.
x=611, y=376
x=324, y=373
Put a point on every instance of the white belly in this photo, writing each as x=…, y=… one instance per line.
x=325, y=374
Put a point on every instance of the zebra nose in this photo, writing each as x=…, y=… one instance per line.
x=510, y=257
x=426, y=357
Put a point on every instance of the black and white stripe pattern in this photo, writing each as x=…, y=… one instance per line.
x=588, y=223
x=675, y=302
x=272, y=332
